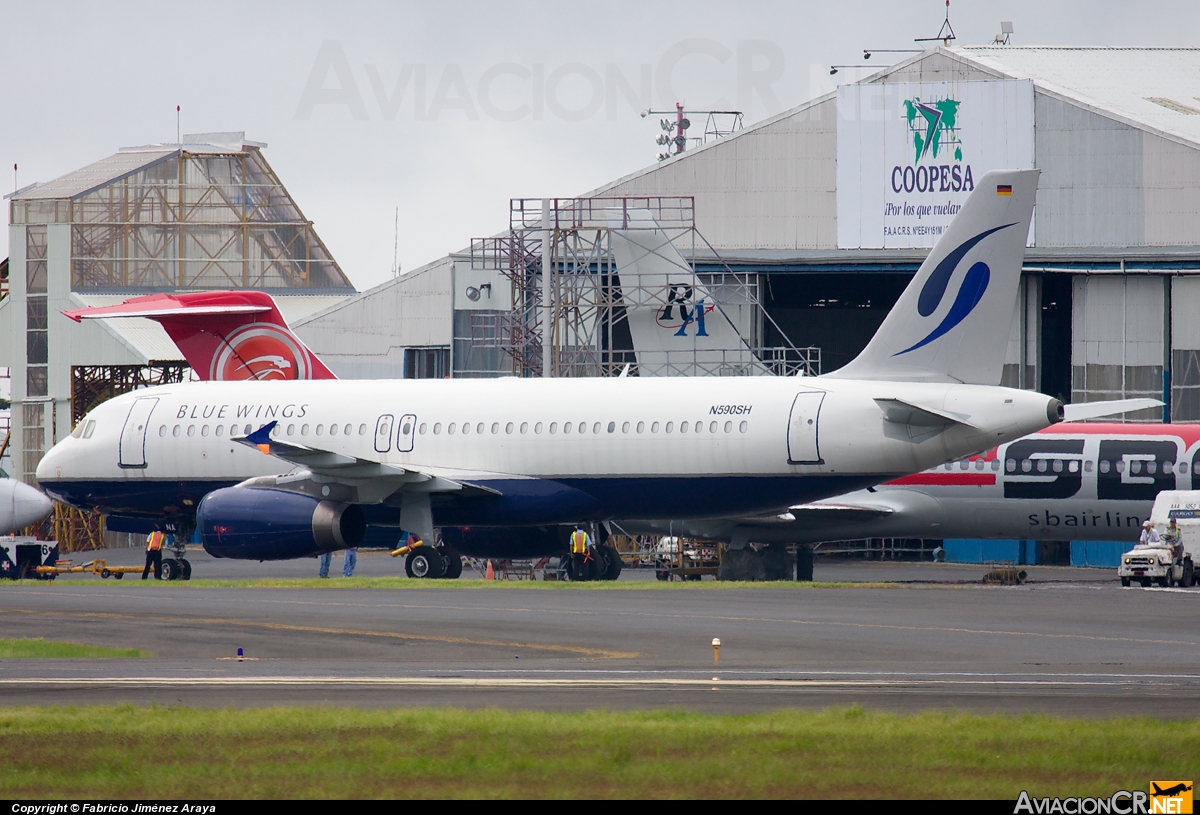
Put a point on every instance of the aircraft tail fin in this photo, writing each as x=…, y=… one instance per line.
x=675, y=323
x=228, y=335
x=952, y=323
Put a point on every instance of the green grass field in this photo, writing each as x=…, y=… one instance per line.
x=125, y=751
x=461, y=583
x=38, y=648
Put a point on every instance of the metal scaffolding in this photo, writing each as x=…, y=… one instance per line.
x=586, y=298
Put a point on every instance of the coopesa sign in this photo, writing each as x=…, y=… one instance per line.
x=909, y=154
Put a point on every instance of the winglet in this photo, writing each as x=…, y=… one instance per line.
x=261, y=438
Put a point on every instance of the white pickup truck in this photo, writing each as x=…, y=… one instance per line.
x=1172, y=561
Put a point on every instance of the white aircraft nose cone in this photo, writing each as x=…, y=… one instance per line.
x=21, y=505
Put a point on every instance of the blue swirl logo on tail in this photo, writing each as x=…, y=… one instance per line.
x=974, y=284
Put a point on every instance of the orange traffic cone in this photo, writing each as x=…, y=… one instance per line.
x=490, y=574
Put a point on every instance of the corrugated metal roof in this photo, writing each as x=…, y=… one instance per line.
x=97, y=174
x=1156, y=89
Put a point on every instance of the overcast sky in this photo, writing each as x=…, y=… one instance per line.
x=446, y=110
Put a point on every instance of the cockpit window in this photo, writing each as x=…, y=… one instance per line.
x=89, y=429
x=78, y=431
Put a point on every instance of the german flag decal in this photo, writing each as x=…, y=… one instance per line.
x=1004, y=189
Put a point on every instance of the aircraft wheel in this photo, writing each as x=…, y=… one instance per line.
x=424, y=562
x=185, y=570
x=170, y=569
x=118, y=575
x=453, y=562
x=614, y=564
x=1125, y=582
x=105, y=574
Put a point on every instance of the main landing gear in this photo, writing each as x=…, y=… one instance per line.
x=601, y=563
x=434, y=562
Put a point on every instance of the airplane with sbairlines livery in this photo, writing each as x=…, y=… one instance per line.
x=282, y=466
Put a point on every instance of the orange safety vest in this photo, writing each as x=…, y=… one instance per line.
x=154, y=542
x=579, y=542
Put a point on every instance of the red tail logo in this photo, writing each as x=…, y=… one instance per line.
x=227, y=335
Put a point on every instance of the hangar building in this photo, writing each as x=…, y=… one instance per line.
x=829, y=208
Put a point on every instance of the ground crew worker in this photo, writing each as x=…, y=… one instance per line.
x=154, y=545
x=579, y=552
x=1149, y=534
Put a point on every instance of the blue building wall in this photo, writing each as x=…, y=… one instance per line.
x=1095, y=554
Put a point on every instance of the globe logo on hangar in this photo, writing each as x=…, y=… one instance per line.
x=261, y=351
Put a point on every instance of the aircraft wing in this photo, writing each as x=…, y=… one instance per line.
x=820, y=513
x=338, y=477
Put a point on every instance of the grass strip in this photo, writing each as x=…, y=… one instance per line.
x=464, y=583
x=177, y=752
x=38, y=648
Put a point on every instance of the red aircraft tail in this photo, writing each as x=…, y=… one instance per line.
x=224, y=334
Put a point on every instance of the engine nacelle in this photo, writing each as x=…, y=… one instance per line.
x=507, y=541
x=256, y=524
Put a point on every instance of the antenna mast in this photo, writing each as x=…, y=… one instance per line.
x=396, y=246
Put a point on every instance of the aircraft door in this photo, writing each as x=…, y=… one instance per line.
x=802, y=428
x=133, y=434
x=383, y=434
x=406, y=434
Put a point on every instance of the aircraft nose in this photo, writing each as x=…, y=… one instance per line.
x=49, y=468
x=30, y=505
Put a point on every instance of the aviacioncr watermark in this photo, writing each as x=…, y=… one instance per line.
x=515, y=91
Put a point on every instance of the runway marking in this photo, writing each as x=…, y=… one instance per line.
x=522, y=682
x=571, y=649
x=713, y=617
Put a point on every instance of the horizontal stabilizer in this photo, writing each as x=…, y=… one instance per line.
x=1094, y=410
x=904, y=412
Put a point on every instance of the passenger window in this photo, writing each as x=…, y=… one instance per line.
x=304, y=430
x=162, y=431
x=248, y=431
x=712, y=427
x=641, y=427
x=537, y=428
x=1168, y=467
x=191, y=430
x=291, y=430
x=1041, y=465
x=437, y=428
x=1121, y=466
x=964, y=465
x=1072, y=466
x=612, y=427
x=320, y=429
x=362, y=429
x=466, y=428
x=1026, y=465
x=743, y=427
x=204, y=430
x=450, y=429
x=422, y=428
x=595, y=428
x=479, y=428
x=221, y=430
x=333, y=429
x=624, y=427
x=729, y=427
x=524, y=428
x=1057, y=465
x=90, y=429
x=347, y=429
x=653, y=428
x=683, y=427
x=670, y=427
x=995, y=465
x=508, y=428
x=1151, y=467
x=1087, y=466
x=1104, y=466
x=1010, y=466
x=700, y=426
x=495, y=428
x=406, y=428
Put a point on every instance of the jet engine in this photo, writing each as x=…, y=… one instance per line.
x=246, y=523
